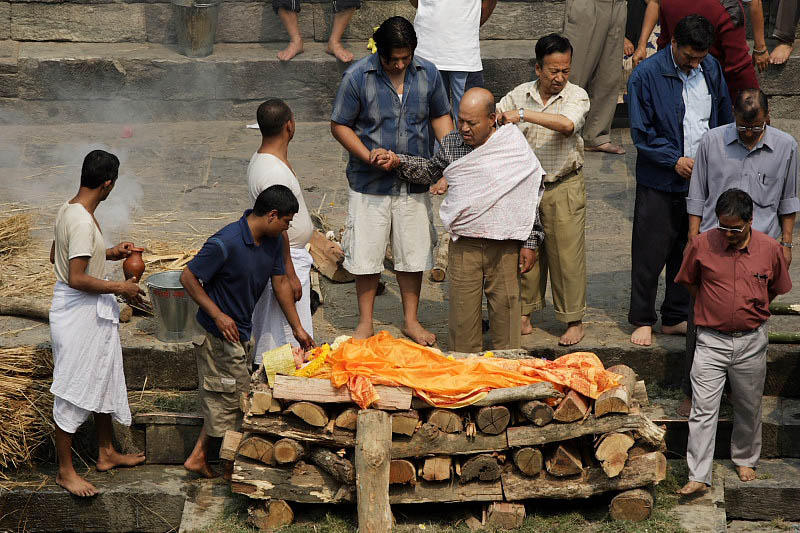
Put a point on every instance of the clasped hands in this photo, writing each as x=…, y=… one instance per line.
x=383, y=159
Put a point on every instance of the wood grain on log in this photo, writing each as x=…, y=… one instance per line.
x=446, y=492
x=640, y=393
x=402, y=471
x=437, y=468
x=258, y=449
x=310, y=413
x=373, y=445
x=483, y=467
x=640, y=471
x=405, y=422
x=230, y=443
x=260, y=402
x=537, y=412
x=572, y=408
x=288, y=451
x=528, y=460
x=430, y=440
x=439, y=270
x=38, y=308
x=505, y=516
x=347, y=419
x=493, y=420
x=612, y=452
x=534, y=436
x=629, y=378
x=635, y=505
x=446, y=420
x=297, y=388
x=612, y=401
x=269, y=516
x=281, y=426
x=565, y=460
x=534, y=391
x=303, y=483
x=328, y=257
x=340, y=468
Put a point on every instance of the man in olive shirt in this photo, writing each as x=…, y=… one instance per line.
x=550, y=112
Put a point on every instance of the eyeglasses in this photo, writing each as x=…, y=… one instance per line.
x=754, y=129
x=732, y=230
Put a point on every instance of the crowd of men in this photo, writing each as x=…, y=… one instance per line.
x=716, y=200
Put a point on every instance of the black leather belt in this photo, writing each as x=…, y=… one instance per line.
x=735, y=333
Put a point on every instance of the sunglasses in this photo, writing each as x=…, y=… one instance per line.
x=732, y=230
x=754, y=129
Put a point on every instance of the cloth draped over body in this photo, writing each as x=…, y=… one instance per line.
x=494, y=190
x=87, y=354
x=270, y=327
x=446, y=382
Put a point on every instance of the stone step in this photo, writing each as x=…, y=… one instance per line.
x=240, y=21
x=773, y=495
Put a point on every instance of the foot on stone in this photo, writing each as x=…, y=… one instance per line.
x=526, y=327
x=746, y=473
x=780, y=54
x=692, y=488
x=642, y=336
x=294, y=48
x=364, y=330
x=677, y=329
x=418, y=334
x=107, y=461
x=608, y=148
x=685, y=408
x=200, y=467
x=75, y=484
x=573, y=335
x=339, y=52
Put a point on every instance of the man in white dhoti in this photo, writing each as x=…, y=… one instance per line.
x=84, y=327
x=270, y=166
x=495, y=184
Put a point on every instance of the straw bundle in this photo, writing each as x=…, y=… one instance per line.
x=25, y=403
x=15, y=233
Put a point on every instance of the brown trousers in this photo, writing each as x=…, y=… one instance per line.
x=562, y=212
x=596, y=30
x=475, y=266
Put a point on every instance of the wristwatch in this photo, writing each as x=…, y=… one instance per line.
x=786, y=244
x=521, y=115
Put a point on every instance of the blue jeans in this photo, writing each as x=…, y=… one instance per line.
x=456, y=83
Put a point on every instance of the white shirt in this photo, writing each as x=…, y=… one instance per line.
x=76, y=235
x=266, y=170
x=448, y=34
x=697, y=103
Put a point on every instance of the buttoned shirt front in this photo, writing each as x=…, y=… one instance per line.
x=733, y=286
x=697, y=101
x=559, y=154
x=767, y=172
x=367, y=102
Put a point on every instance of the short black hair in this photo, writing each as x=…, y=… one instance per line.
x=735, y=203
x=695, y=31
x=276, y=198
x=552, y=43
x=99, y=166
x=395, y=32
x=272, y=116
x=749, y=102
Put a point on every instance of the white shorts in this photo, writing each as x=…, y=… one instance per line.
x=373, y=219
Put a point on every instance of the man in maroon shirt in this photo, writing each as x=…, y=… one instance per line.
x=733, y=272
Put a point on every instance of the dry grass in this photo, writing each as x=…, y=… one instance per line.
x=15, y=233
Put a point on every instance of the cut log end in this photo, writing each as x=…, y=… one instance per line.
x=614, y=400
x=493, y=420
x=347, y=419
x=402, y=472
x=310, y=413
x=230, y=443
x=528, y=460
x=572, y=408
x=257, y=449
x=405, y=423
x=288, y=451
x=437, y=468
x=635, y=505
x=505, y=516
x=537, y=412
x=483, y=467
x=446, y=420
x=565, y=460
x=271, y=515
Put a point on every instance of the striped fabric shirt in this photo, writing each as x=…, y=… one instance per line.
x=368, y=103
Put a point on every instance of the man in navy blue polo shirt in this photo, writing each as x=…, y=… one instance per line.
x=389, y=101
x=226, y=278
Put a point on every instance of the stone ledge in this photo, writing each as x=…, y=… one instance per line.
x=774, y=494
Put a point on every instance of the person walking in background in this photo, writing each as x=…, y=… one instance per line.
x=288, y=11
x=448, y=36
x=596, y=30
x=684, y=78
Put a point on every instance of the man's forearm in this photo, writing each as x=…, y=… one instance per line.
x=348, y=138
x=283, y=293
x=787, y=226
x=694, y=225
x=287, y=255
x=551, y=121
x=442, y=126
x=757, y=20
x=648, y=23
x=198, y=293
x=487, y=7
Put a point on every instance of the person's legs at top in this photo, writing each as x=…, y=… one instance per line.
x=465, y=274
x=501, y=271
x=288, y=11
x=533, y=283
x=457, y=86
x=343, y=11
x=788, y=12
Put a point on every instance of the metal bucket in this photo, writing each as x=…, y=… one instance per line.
x=174, y=309
x=196, y=26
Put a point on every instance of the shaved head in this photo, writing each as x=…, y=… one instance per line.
x=477, y=99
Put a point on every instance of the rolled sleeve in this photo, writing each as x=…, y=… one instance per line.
x=507, y=103
x=81, y=240
x=789, y=202
x=576, y=109
x=698, y=184
x=536, y=238
x=689, y=274
x=208, y=260
x=781, y=282
x=346, y=106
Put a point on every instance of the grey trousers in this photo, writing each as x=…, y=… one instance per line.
x=744, y=360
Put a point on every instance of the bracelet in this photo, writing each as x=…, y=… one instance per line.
x=786, y=244
x=760, y=52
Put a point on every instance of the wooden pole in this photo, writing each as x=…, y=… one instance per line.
x=783, y=308
x=372, y=458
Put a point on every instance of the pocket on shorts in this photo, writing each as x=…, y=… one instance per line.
x=219, y=384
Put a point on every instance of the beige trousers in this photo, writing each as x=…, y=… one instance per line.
x=596, y=29
x=475, y=266
x=562, y=212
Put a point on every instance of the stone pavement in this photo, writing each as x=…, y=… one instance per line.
x=182, y=181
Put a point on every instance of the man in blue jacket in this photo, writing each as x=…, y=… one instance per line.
x=675, y=96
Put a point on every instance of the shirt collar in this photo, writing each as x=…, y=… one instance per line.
x=692, y=73
x=732, y=136
x=244, y=227
x=533, y=92
x=374, y=64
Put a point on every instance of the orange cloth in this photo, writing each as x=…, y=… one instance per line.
x=384, y=360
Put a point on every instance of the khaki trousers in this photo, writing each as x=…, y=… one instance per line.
x=475, y=266
x=596, y=29
x=562, y=212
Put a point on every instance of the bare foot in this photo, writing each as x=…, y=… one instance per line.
x=677, y=329
x=292, y=49
x=685, y=408
x=364, y=330
x=418, y=334
x=75, y=484
x=573, y=335
x=527, y=327
x=746, y=473
x=642, y=336
x=693, y=487
x=339, y=52
x=608, y=148
x=780, y=54
x=199, y=467
x=109, y=460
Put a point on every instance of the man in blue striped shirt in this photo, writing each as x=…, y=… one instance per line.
x=389, y=101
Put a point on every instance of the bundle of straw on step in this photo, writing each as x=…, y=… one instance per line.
x=26, y=404
x=15, y=233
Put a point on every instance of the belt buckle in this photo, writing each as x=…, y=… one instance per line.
x=737, y=333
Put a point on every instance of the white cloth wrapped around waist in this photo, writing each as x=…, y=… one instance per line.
x=87, y=354
x=494, y=190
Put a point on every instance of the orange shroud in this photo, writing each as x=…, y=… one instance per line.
x=444, y=382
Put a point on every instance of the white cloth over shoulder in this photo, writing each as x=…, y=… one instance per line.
x=87, y=354
x=494, y=190
x=270, y=327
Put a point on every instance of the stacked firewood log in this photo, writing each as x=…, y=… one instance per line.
x=299, y=439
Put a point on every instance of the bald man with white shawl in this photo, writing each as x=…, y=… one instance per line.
x=490, y=211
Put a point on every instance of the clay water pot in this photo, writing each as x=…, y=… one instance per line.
x=133, y=266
